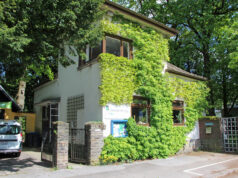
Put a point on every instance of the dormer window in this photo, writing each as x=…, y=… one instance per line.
x=110, y=44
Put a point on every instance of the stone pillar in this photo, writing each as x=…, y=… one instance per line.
x=60, y=142
x=94, y=141
x=211, y=135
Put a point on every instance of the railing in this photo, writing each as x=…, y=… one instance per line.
x=77, y=148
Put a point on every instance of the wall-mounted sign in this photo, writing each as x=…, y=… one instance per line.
x=209, y=124
x=5, y=105
x=112, y=111
x=208, y=130
x=118, y=128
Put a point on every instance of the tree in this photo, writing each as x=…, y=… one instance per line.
x=197, y=21
x=34, y=33
x=226, y=77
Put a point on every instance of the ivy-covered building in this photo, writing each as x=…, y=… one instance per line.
x=127, y=75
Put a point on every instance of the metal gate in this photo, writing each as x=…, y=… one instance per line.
x=77, y=149
x=230, y=130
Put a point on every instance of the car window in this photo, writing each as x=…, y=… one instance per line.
x=9, y=129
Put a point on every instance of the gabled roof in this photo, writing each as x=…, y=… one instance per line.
x=5, y=97
x=129, y=12
x=176, y=70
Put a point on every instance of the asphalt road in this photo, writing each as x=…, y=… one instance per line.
x=197, y=164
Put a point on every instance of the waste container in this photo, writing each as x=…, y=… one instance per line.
x=33, y=139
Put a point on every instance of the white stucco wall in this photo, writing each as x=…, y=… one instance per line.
x=73, y=82
x=194, y=134
x=49, y=90
x=84, y=82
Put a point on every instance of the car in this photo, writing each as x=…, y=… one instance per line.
x=10, y=137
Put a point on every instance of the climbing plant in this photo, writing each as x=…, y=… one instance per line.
x=118, y=78
x=162, y=138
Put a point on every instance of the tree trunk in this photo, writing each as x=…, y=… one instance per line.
x=207, y=74
x=224, y=96
x=21, y=94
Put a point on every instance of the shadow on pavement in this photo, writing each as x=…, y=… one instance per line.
x=10, y=163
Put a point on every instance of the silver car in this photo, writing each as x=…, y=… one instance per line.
x=10, y=137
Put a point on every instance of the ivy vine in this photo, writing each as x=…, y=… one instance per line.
x=117, y=78
x=162, y=138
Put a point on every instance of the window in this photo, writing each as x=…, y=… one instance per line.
x=74, y=103
x=111, y=44
x=10, y=129
x=178, y=110
x=118, y=46
x=93, y=52
x=140, y=110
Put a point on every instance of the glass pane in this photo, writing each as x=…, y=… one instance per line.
x=177, y=116
x=44, y=112
x=95, y=51
x=126, y=49
x=113, y=46
x=178, y=103
x=54, y=118
x=9, y=129
x=140, y=115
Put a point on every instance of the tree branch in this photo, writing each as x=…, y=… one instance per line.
x=233, y=103
x=221, y=7
x=192, y=28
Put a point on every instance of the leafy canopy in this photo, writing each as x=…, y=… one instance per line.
x=200, y=44
x=33, y=34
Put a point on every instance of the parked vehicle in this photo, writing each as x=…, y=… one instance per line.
x=10, y=137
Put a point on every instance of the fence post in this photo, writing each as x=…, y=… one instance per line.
x=60, y=142
x=94, y=141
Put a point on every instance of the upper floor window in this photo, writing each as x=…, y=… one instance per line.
x=140, y=110
x=110, y=44
x=178, y=112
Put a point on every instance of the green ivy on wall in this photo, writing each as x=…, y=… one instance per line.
x=162, y=138
x=117, y=77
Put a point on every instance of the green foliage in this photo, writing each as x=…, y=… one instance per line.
x=200, y=46
x=162, y=138
x=118, y=79
x=33, y=36
x=118, y=149
x=209, y=118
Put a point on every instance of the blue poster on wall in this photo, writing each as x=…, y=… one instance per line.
x=118, y=128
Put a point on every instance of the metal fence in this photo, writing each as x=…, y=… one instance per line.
x=77, y=148
x=230, y=131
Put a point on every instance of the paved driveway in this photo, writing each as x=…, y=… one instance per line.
x=28, y=163
x=197, y=164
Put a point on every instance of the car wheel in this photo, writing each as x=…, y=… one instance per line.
x=18, y=154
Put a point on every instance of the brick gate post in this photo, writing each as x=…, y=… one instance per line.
x=94, y=141
x=60, y=142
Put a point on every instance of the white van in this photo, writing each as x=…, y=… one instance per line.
x=10, y=137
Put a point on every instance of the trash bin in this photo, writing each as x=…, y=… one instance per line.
x=33, y=139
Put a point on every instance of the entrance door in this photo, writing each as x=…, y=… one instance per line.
x=230, y=130
x=2, y=114
x=50, y=114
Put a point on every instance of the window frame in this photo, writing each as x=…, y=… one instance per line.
x=179, y=108
x=82, y=63
x=147, y=106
